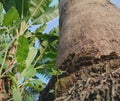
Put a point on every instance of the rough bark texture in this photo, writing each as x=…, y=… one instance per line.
x=88, y=27
x=90, y=79
x=89, y=52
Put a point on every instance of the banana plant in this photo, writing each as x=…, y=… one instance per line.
x=20, y=59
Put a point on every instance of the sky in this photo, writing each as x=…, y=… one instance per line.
x=55, y=2
x=116, y=2
x=55, y=22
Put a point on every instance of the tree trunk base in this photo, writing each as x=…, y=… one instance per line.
x=91, y=79
x=86, y=79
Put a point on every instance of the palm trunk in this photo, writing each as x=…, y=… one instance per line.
x=89, y=49
x=88, y=27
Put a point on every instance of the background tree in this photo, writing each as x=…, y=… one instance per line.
x=89, y=49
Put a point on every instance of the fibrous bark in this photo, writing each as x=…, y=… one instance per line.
x=86, y=79
x=90, y=79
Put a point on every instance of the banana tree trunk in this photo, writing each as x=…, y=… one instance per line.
x=5, y=82
x=89, y=52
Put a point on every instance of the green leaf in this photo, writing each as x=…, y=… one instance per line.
x=16, y=94
x=52, y=91
x=50, y=14
x=42, y=48
x=22, y=49
x=42, y=36
x=56, y=72
x=1, y=59
x=40, y=67
x=11, y=16
x=38, y=7
x=30, y=72
x=22, y=6
x=41, y=28
x=31, y=56
x=14, y=81
x=54, y=43
x=29, y=98
x=36, y=84
x=1, y=14
x=51, y=55
x=21, y=67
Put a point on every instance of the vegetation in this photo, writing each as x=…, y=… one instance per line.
x=24, y=53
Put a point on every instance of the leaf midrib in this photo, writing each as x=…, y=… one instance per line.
x=37, y=8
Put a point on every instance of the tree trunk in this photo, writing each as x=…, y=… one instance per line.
x=89, y=50
x=88, y=27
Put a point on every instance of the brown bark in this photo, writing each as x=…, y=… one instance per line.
x=88, y=27
x=90, y=79
x=89, y=50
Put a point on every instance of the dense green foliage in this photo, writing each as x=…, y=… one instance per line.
x=24, y=53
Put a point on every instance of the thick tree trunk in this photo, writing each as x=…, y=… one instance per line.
x=89, y=50
x=88, y=27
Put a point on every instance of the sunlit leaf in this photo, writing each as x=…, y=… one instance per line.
x=16, y=94
x=30, y=72
x=50, y=14
x=1, y=14
x=31, y=56
x=41, y=29
x=40, y=67
x=52, y=91
x=14, y=81
x=35, y=52
x=37, y=84
x=54, y=72
x=29, y=98
x=38, y=7
x=11, y=16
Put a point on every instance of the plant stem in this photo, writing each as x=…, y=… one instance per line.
x=5, y=56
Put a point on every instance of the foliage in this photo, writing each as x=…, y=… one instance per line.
x=24, y=53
